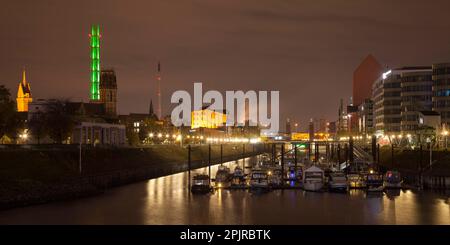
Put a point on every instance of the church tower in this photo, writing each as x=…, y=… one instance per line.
x=108, y=91
x=23, y=94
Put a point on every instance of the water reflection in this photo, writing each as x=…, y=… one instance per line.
x=167, y=200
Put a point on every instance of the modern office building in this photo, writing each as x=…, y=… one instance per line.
x=441, y=91
x=398, y=95
x=416, y=93
x=386, y=99
x=288, y=126
x=363, y=77
x=365, y=117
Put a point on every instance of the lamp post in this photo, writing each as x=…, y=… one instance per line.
x=445, y=134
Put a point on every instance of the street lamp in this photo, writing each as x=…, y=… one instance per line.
x=445, y=134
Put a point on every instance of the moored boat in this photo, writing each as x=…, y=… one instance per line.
x=392, y=180
x=337, y=182
x=275, y=176
x=259, y=181
x=238, y=177
x=374, y=182
x=313, y=179
x=201, y=184
x=223, y=177
x=356, y=181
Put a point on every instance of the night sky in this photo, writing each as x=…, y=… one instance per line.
x=306, y=49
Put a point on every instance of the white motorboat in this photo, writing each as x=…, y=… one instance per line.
x=337, y=182
x=313, y=179
x=259, y=180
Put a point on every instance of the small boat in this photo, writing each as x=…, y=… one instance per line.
x=259, y=181
x=223, y=177
x=238, y=177
x=374, y=182
x=356, y=181
x=392, y=179
x=299, y=173
x=313, y=179
x=275, y=176
x=291, y=174
x=201, y=184
x=337, y=182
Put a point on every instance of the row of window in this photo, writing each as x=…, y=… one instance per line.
x=442, y=82
x=441, y=71
x=409, y=127
x=418, y=88
x=417, y=98
x=423, y=78
x=410, y=118
x=392, y=85
x=388, y=120
x=441, y=104
x=442, y=93
x=392, y=94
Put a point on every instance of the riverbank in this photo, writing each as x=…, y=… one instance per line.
x=416, y=167
x=42, y=174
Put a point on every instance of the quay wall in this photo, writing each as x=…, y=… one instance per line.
x=41, y=174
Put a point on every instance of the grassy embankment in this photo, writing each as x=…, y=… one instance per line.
x=43, y=174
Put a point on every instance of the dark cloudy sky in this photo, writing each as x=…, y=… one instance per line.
x=306, y=49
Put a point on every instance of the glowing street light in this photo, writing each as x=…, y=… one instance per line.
x=445, y=134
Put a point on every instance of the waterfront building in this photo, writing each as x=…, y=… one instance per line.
x=429, y=124
x=98, y=133
x=91, y=118
x=430, y=119
x=416, y=93
x=311, y=130
x=342, y=123
x=365, y=117
x=331, y=128
x=207, y=118
x=386, y=99
x=441, y=91
x=363, y=77
x=398, y=95
x=108, y=91
x=352, y=117
x=24, y=97
x=288, y=126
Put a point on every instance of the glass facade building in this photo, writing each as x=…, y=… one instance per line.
x=441, y=91
x=416, y=95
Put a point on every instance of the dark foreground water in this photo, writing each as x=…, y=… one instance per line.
x=167, y=200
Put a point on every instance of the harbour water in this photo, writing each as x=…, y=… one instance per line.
x=167, y=200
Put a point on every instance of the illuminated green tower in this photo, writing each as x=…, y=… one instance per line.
x=95, y=62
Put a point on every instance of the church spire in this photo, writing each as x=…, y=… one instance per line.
x=24, y=78
x=23, y=94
